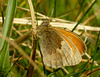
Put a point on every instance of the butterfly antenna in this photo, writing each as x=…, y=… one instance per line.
x=50, y=18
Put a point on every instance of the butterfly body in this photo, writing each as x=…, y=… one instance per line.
x=59, y=47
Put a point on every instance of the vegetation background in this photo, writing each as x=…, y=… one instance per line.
x=15, y=63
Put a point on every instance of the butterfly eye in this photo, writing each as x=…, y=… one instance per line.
x=45, y=23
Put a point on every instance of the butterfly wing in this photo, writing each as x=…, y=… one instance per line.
x=74, y=38
x=57, y=49
x=49, y=43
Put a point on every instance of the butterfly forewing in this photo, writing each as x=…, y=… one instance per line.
x=57, y=48
x=75, y=39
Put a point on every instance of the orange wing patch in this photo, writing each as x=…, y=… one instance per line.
x=75, y=39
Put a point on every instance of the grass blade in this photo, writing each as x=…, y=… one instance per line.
x=4, y=45
x=84, y=15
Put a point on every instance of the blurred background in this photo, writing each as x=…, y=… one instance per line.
x=65, y=14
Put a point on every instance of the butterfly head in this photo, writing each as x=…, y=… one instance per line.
x=45, y=23
x=43, y=27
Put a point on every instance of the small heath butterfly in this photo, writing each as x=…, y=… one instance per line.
x=59, y=47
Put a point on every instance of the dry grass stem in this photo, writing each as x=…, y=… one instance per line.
x=70, y=25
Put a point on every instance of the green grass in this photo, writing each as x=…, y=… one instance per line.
x=4, y=45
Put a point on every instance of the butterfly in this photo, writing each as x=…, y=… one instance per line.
x=59, y=47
